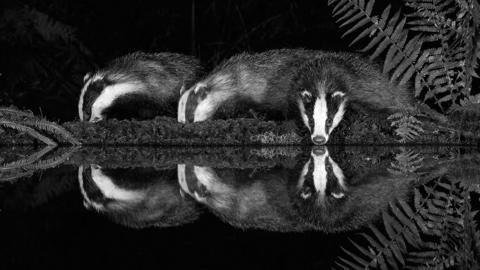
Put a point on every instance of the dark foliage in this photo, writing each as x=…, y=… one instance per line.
x=46, y=47
x=439, y=231
x=436, y=43
x=43, y=62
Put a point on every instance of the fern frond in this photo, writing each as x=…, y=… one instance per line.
x=54, y=161
x=406, y=162
x=437, y=233
x=54, y=129
x=407, y=127
x=14, y=112
x=28, y=160
x=386, y=37
x=30, y=131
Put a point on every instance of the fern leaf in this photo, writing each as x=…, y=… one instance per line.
x=363, y=250
x=28, y=160
x=55, y=129
x=350, y=264
x=355, y=257
x=28, y=130
x=358, y=25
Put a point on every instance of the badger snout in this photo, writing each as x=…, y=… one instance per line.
x=96, y=119
x=319, y=140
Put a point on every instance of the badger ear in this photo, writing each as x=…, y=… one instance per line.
x=200, y=87
x=87, y=77
x=305, y=95
x=182, y=90
x=201, y=90
x=338, y=93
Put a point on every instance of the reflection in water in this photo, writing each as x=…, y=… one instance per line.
x=244, y=198
x=332, y=199
x=414, y=207
x=135, y=197
x=314, y=195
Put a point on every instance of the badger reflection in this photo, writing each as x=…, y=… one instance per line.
x=320, y=193
x=321, y=178
x=328, y=200
x=135, y=197
x=244, y=198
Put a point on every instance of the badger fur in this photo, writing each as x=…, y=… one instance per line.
x=330, y=82
x=259, y=81
x=137, y=85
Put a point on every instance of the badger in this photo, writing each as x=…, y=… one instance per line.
x=258, y=81
x=138, y=85
x=312, y=87
x=135, y=197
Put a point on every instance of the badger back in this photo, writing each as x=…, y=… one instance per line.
x=151, y=79
x=260, y=81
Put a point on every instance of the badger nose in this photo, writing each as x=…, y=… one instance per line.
x=319, y=140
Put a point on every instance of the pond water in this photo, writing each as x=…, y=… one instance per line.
x=240, y=208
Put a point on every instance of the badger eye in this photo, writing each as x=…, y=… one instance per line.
x=329, y=122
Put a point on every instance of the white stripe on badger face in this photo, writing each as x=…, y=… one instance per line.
x=108, y=95
x=80, y=101
x=303, y=114
x=207, y=107
x=182, y=106
x=337, y=118
x=320, y=116
x=84, y=90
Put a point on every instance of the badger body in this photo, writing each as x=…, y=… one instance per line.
x=137, y=85
x=259, y=81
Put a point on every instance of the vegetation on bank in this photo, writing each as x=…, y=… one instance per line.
x=20, y=128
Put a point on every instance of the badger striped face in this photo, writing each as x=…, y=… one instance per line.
x=99, y=93
x=321, y=111
x=321, y=178
x=195, y=105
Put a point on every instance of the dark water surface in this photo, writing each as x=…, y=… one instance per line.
x=240, y=208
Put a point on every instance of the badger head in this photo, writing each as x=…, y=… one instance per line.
x=99, y=93
x=321, y=99
x=321, y=181
x=201, y=101
x=195, y=105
